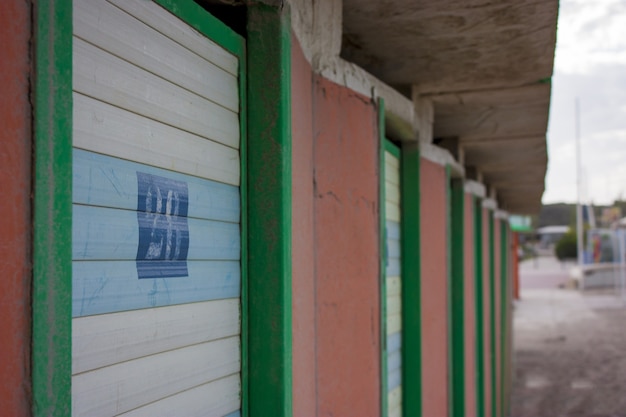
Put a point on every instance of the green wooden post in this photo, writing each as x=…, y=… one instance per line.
x=411, y=275
x=52, y=212
x=492, y=311
x=480, y=331
x=269, y=211
x=457, y=291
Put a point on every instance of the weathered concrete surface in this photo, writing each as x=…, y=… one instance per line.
x=569, y=347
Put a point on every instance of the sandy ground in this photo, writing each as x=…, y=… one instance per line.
x=570, y=347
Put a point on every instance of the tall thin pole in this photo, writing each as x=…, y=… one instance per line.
x=579, y=209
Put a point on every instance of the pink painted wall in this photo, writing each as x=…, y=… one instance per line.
x=487, y=312
x=469, y=308
x=434, y=282
x=347, y=287
x=498, y=315
x=303, y=252
x=15, y=206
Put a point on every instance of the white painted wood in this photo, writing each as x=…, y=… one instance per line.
x=106, y=129
x=125, y=386
x=394, y=323
x=393, y=304
x=108, y=78
x=392, y=193
x=392, y=212
x=218, y=398
x=391, y=160
x=111, y=29
x=394, y=286
x=106, y=339
x=394, y=398
x=162, y=20
x=393, y=248
x=392, y=176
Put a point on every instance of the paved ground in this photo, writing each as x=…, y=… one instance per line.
x=570, y=347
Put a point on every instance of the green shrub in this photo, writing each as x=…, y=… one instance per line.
x=566, y=247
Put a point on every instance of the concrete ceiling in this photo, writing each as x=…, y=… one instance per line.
x=486, y=65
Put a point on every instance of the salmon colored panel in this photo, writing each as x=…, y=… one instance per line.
x=303, y=288
x=434, y=281
x=487, y=312
x=498, y=306
x=15, y=151
x=469, y=308
x=347, y=252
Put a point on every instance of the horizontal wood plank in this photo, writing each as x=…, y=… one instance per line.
x=394, y=286
x=393, y=229
x=392, y=161
x=393, y=248
x=162, y=20
x=392, y=177
x=394, y=304
x=394, y=360
x=108, y=78
x=101, y=180
x=394, y=378
x=392, y=193
x=394, y=341
x=393, y=267
x=392, y=212
x=217, y=398
x=394, y=323
x=100, y=287
x=394, y=402
x=106, y=339
x=109, y=130
x=100, y=233
x=112, y=29
x=125, y=386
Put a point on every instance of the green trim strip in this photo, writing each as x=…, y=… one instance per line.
x=411, y=275
x=492, y=311
x=389, y=146
x=383, y=145
x=207, y=24
x=504, y=303
x=457, y=291
x=269, y=211
x=52, y=217
x=478, y=295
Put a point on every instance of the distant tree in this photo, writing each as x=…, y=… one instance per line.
x=566, y=247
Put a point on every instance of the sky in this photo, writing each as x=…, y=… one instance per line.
x=589, y=66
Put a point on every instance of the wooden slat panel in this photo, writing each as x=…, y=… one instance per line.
x=122, y=387
x=394, y=341
x=160, y=19
x=394, y=286
x=394, y=360
x=392, y=212
x=393, y=267
x=111, y=29
x=394, y=304
x=394, y=323
x=391, y=160
x=393, y=229
x=392, y=177
x=217, y=398
x=100, y=233
x=109, y=286
x=100, y=180
x=393, y=248
x=108, y=130
x=108, y=78
x=106, y=339
x=394, y=402
x=394, y=378
x=392, y=193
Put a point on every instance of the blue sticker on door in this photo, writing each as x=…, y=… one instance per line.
x=162, y=205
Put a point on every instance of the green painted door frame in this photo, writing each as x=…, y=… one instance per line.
x=478, y=295
x=457, y=291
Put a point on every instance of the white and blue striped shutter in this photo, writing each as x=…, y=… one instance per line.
x=156, y=216
x=393, y=285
